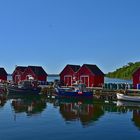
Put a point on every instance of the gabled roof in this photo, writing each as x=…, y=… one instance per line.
x=38, y=70
x=2, y=71
x=21, y=68
x=75, y=68
x=94, y=69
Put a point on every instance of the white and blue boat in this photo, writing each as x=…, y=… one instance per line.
x=79, y=91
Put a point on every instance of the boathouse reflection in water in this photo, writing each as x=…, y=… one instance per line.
x=30, y=106
x=86, y=111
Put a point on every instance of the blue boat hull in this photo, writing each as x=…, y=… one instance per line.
x=61, y=92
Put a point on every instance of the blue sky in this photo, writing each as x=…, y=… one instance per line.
x=53, y=33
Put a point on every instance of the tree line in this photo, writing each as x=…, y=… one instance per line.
x=124, y=72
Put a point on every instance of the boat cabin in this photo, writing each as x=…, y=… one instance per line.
x=28, y=84
x=80, y=88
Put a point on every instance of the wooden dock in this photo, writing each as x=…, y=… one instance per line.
x=98, y=92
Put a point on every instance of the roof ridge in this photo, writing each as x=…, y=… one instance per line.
x=94, y=69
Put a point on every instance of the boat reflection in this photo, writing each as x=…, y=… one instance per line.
x=90, y=112
x=85, y=111
x=3, y=99
x=29, y=105
x=134, y=107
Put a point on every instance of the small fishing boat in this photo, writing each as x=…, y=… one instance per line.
x=76, y=91
x=128, y=97
x=24, y=88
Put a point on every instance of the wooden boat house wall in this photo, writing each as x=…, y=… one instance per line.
x=69, y=75
x=91, y=75
x=136, y=79
x=3, y=75
x=36, y=72
x=17, y=75
x=25, y=73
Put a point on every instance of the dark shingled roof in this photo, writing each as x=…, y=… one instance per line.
x=38, y=70
x=21, y=68
x=75, y=68
x=2, y=71
x=94, y=69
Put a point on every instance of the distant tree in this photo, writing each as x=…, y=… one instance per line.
x=130, y=63
x=125, y=72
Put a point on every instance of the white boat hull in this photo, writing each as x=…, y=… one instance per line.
x=120, y=103
x=128, y=98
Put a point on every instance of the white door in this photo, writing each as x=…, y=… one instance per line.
x=68, y=80
x=85, y=80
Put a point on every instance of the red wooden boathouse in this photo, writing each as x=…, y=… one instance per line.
x=17, y=75
x=69, y=75
x=3, y=75
x=91, y=75
x=25, y=73
x=136, y=78
x=37, y=72
x=86, y=113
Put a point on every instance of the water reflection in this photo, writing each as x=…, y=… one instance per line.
x=133, y=107
x=136, y=118
x=3, y=99
x=30, y=105
x=90, y=112
x=84, y=111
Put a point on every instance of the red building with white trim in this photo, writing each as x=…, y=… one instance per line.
x=91, y=75
x=25, y=73
x=17, y=75
x=136, y=78
x=3, y=74
x=69, y=75
x=37, y=72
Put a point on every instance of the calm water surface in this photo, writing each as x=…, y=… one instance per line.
x=65, y=119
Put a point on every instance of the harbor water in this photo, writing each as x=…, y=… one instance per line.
x=39, y=118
